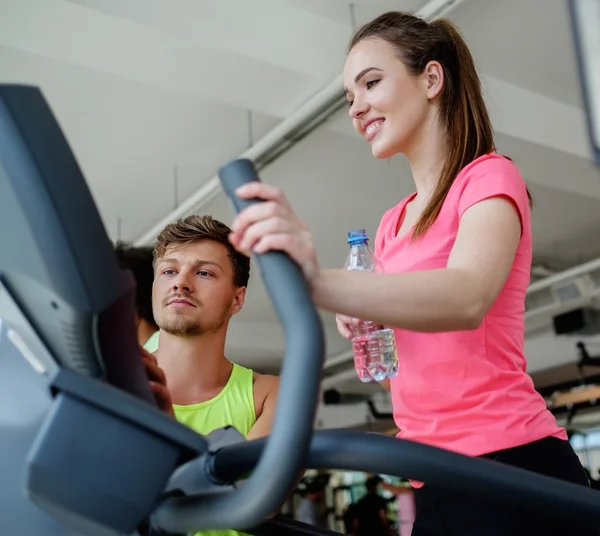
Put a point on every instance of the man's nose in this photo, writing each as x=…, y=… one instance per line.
x=182, y=283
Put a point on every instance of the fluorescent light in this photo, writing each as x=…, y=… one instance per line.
x=585, y=21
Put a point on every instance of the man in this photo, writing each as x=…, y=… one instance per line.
x=200, y=282
x=312, y=510
x=370, y=513
x=140, y=261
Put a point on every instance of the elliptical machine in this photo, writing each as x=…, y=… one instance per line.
x=100, y=458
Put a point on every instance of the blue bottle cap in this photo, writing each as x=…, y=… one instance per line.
x=357, y=236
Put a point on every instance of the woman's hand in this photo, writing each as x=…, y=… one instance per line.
x=346, y=325
x=272, y=225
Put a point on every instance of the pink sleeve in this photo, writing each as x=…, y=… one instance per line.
x=494, y=177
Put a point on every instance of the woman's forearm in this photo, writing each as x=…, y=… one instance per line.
x=433, y=300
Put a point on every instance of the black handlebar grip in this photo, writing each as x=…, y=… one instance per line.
x=235, y=174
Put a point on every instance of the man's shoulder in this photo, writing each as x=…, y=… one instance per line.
x=265, y=383
x=265, y=391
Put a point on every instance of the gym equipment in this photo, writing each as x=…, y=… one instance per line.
x=101, y=459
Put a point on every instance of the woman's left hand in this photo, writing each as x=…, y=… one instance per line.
x=272, y=225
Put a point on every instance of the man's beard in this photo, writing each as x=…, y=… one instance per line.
x=186, y=328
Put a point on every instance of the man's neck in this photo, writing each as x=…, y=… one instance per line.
x=196, y=368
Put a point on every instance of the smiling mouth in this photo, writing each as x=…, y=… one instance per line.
x=372, y=128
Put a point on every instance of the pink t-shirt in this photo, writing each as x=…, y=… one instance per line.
x=467, y=391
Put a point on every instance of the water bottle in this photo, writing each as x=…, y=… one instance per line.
x=373, y=345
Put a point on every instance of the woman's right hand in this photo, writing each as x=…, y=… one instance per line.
x=346, y=325
x=273, y=225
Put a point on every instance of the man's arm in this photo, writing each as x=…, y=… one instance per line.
x=265, y=389
x=385, y=520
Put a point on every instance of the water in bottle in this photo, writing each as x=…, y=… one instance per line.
x=373, y=345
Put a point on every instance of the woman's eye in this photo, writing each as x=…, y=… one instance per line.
x=371, y=83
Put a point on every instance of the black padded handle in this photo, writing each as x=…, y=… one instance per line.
x=348, y=450
x=235, y=174
x=283, y=457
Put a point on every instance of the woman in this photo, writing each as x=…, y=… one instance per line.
x=456, y=256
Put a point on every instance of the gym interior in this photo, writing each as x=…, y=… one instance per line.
x=154, y=96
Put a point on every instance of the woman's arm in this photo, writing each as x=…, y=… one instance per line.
x=452, y=298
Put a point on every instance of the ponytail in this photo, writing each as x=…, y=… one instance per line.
x=464, y=115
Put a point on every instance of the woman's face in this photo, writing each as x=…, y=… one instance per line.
x=389, y=107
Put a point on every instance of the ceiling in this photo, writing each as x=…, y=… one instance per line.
x=155, y=95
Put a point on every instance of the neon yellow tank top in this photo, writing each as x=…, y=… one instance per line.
x=233, y=406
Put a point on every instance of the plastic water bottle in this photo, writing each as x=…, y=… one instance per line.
x=373, y=345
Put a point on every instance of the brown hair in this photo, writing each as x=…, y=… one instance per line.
x=462, y=107
x=140, y=261
x=188, y=230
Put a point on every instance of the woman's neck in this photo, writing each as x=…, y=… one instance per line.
x=427, y=157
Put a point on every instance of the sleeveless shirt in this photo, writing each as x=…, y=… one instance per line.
x=233, y=406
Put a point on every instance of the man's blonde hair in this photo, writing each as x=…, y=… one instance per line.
x=193, y=228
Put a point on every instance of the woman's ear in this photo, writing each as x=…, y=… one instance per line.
x=434, y=79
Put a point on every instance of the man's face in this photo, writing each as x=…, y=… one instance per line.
x=193, y=291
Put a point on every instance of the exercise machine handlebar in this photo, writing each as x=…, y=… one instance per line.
x=283, y=455
x=375, y=453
